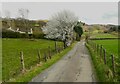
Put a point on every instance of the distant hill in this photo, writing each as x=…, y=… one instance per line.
x=25, y=25
x=101, y=28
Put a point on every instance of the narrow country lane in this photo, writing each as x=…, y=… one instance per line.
x=75, y=66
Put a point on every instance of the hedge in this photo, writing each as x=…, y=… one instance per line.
x=11, y=34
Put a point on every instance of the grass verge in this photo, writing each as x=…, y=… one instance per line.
x=26, y=77
x=100, y=68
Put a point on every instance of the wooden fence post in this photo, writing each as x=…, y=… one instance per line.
x=49, y=52
x=56, y=46
x=39, y=56
x=113, y=65
x=101, y=50
x=45, y=57
x=104, y=56
x=60, y=48
x=97, y=49
x=22, y=61
x=94, y=46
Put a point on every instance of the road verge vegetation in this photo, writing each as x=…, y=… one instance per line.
x=104, y=74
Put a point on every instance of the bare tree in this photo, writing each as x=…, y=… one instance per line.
x=0, y=24
x=24, y=16
x=23, y=13
x=60, y=26
x=7, y=14
x=7, y=18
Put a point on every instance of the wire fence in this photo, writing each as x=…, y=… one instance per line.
x=43, y=55
x=26, y=60
x=109, y=59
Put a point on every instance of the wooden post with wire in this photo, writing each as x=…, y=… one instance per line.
x=39, y=56
x=49, y=51
x=104, y=51
x=113, y=65
x=22, y=61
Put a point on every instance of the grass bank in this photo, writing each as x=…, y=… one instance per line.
x=100, y=68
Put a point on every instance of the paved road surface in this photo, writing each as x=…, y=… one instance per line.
x=75, y=66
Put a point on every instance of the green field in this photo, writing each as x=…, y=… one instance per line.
x=103, y=35
x=110, y=45
x=11, y=54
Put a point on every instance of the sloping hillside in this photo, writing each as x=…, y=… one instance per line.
x=23, y=25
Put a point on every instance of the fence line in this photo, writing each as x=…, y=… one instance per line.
x=108, y=59
x=44, y=57
x=104, y=38
x=39, y=56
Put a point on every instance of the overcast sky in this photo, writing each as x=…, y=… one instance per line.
x=88, y=12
